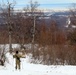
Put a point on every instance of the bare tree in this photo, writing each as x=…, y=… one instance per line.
x=7, y=13
x=32, y=14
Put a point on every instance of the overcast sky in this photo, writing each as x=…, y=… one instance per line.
x=43, y=3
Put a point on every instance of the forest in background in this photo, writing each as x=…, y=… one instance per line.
x=54, y=45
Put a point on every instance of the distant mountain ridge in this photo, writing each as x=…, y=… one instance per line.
x=62, y=13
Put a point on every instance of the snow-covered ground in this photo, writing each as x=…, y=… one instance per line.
x=28, y=68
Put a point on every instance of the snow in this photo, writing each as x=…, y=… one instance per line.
x=6, y=46
x=28, y=68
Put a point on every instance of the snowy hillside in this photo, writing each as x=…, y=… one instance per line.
x=28, y=68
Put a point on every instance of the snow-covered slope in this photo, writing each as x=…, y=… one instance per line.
x=28, y=68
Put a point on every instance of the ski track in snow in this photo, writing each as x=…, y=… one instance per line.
x=35, y=69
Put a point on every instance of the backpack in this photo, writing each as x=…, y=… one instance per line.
x=17, y=58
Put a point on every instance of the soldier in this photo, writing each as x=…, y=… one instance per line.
x=17, y=56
